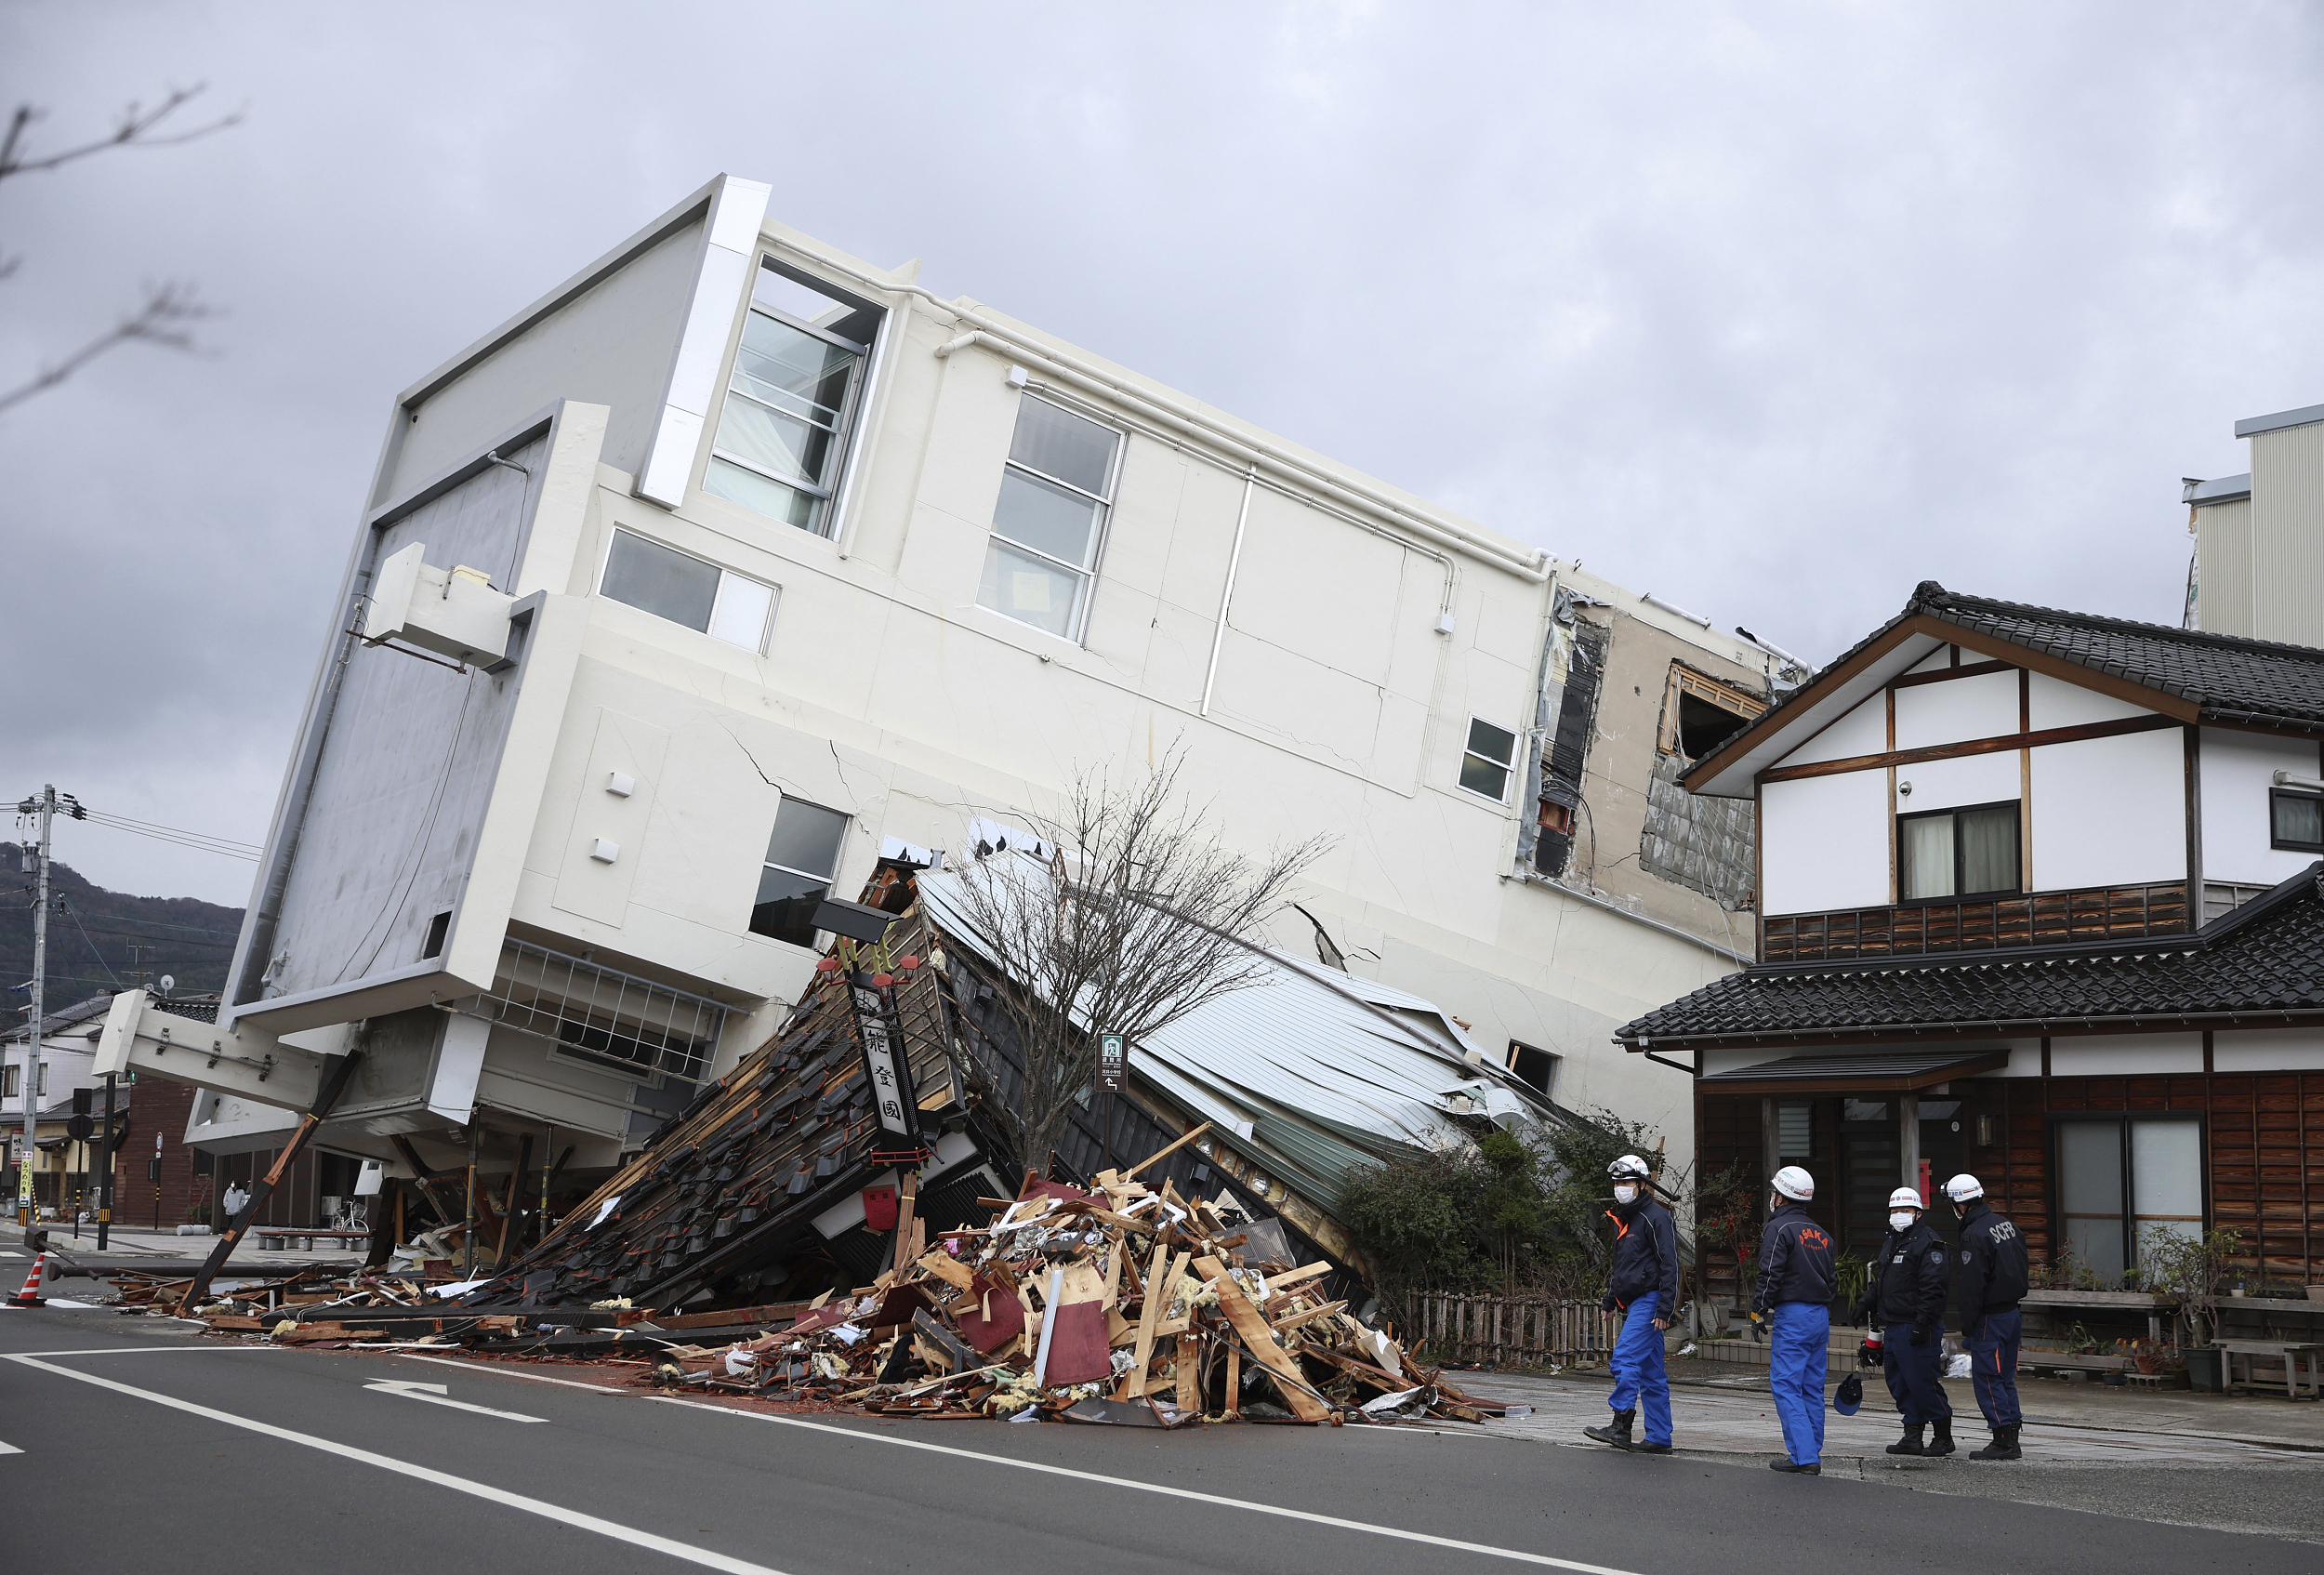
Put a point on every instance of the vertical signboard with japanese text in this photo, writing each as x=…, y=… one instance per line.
x=1112, y=1059
x=884, y=1064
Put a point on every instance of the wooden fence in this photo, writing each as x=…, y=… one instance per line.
x=1524, y=1331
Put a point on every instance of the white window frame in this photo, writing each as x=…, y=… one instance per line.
x=827, y=510
x=774, y=591
x=1101, y=531
x=1508, y=768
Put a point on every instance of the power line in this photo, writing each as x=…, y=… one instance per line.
x=199, y=841
x=154, y=826
x=189, y=928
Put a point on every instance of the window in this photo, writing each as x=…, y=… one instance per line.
x=2120, y=1180
x=1485, y=764
x=1050, y=519
x=798, y=377
x=802, y=856
x=2296, y=820
x=11, y=1083
x=1963, y=853
x=1795, y=1130
x=1699, y=714
x=1537, y=1068
x=673, y=585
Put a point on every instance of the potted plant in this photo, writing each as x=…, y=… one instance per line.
x=2190, y=1268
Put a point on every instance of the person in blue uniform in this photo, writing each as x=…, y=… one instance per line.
x=1641, y=1284
x=1797, y=1280
x=1989, y=1281
x=1904, y=1297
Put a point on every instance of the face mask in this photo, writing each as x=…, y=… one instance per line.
x=1900, y=1219
x=1624, y=1195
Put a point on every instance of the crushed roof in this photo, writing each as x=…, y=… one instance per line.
x=2266, y=957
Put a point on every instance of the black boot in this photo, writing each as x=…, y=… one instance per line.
x=1648, y=1449
x=1911, y=1443
x=1617, y=1432
x=1812, y=1469
x=1941, y=1442
x=2004, y=1445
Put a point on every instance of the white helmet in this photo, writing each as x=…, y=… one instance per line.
x=1794, y=1183
x=1962, y=1187
x=1629, y=1166
x=1905, y=1197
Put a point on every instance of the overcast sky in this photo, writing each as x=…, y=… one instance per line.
x=1771, y=310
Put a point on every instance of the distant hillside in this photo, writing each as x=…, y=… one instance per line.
x=190, y=940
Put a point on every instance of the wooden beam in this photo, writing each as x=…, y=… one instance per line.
x=334, y=1082
x=1264, y=1349
x=1997, y=744
x=1946, y=675
x=1158, y=1156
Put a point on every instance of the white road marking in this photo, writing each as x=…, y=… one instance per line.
x=1488, y=1549
x=506, y=1371
x=434, y=1394
x=136, y=1350
x=547, y=1510
x=60, y=1301
x=10, y=1449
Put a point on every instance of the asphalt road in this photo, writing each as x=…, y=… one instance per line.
x=148, y=1448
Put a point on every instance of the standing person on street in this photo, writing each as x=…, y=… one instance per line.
x=1905, y=1296
x=1989, y=1282
x=1642, y=1282
x=1797, y=1280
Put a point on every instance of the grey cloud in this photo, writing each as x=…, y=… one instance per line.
x=1774, y=311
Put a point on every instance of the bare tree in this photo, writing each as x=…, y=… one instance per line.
x=1132, y=916
x=168, y=310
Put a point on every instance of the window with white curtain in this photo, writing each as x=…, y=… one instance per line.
x=1049, y=524
x=2296, y=820
x=1958, y=852
x=2122, y=1181
x=791, y=397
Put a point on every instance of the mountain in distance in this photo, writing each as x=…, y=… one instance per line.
x=101, y=939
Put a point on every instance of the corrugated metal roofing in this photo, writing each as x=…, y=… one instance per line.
x=1306, y=1050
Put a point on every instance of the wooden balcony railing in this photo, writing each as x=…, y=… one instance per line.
x=1977, y=924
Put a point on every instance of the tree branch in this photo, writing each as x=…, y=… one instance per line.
x=134, y=129
x=158, y=322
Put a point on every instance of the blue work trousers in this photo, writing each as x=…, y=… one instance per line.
x=1638, y=1370
x=1991, y=1341
x=1913, y=1374
x=1796, y=1358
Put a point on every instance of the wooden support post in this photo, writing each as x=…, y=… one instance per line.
x=1233, y=1408
x=907, y=1195
x=509, y=1210
x=468, y=1237
x=333, y=1081
x=425, y=1175
x=1158, y=1156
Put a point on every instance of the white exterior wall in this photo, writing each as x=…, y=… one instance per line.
x=1824, y=842
x=1863, y=730
x=1956, y=711
x=885, y=693
x=2110, y=812
x=2268, y=1050
x=2238, y=769
x=2092, y=1056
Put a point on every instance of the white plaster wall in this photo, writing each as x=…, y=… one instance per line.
x=1957, y=710
x=1936, y=661
x=2268, y=1049
x=1824, y=842
x=2110, y=812
x=2052, y=702
x=1966, y=779
x=2098, y=1055
x=2235, y=773
x=1864, y=731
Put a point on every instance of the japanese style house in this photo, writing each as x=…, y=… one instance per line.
x=2039, y=900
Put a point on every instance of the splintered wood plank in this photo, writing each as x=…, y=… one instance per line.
x=1159, y=1286
x=1285, y=1325
x=1299, y=1276
x=1185, y=1372
x=1161, y=1154
x=945, y=1266
x=1261, y=1341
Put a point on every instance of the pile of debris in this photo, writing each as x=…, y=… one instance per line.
x=1120, y=1304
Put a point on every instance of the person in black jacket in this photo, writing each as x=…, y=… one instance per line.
x=1989, y=1282
x=1643, y=1283
x=1904, y=1297
x=1797, y=1280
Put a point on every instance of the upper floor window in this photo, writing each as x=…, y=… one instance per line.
x=1959, y=852
x=685, y=590
x=1699, y=714
x=1485, y=764
x=798, y=378
x=802, y=856
x=1050, y=522
x=2296, y=820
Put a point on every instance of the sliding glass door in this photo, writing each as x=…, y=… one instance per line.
x=2119, y=1177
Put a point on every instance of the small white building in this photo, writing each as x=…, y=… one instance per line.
x=734, y=559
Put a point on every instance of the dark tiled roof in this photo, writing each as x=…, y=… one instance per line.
x=2264, y=959
x=2231, y=679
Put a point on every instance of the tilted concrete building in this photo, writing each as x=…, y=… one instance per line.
x=734, y=559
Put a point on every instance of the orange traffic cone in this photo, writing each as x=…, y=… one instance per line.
x=30, y=1296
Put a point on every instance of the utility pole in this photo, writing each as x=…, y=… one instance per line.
x=45, y=807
